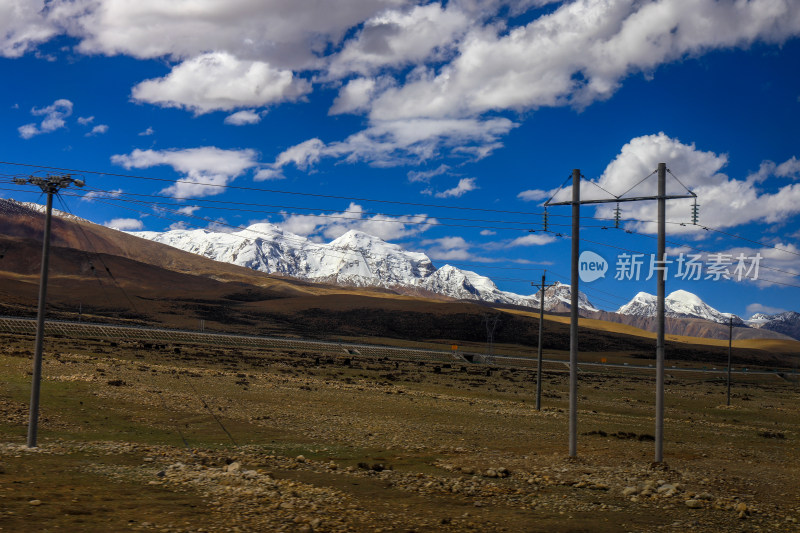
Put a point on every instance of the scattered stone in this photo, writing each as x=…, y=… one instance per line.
x=300, y=459
x=233, y=467
x=693, y=504
x=629, y=491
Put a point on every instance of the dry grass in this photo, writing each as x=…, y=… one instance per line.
x=108, y=408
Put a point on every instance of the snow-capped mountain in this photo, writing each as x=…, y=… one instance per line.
x=13, y=206
x=787, y=323
x=678, y=304
x=353, y=259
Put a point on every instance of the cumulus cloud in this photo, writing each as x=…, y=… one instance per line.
x=206, y=169
x=448, y=249
x=125, y=224
x=354, y=96
x=23, y=25
x=85, y=121
x=282, y=32
x=98, y=130
x=404, y=64
x=220, y=81
x=188, y=210
x=54, y=116
x=333, y=225
x=531, y=239
x=724, y=201
x=404, y=142
x=533, y=195
x=464, y=186
x=399, y=37
x=579, y=53
x=146, y=133
x=242, y=118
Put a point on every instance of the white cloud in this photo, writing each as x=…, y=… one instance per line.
x=452, y=249
x=286, y=33
x=404, y=142
x=399, y=37
x=125, y=224
x=425, y=176
x=98, y=130
x=789, y=169
x=54, y=116
x=579, y=53
x=487, y=232
x=724, y=201
x=333, y=225
x=220, y=81
x=531, y=239
x=302, y=155
x=448, y=249
x=92, y=195
x=242, y=118
x=85, y=121
x=178, y=225
x=267, y=173
x=188, y=210
x=533, y=195
x=354, y=97
x=23, y=25
x=207, y=169
x=760, y=308
x=146, y=133
x=464, y=186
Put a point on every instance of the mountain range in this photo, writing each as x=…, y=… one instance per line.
x=360, y=260
x=354, y=259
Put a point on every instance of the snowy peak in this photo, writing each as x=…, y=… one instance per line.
x=678, y=304
x=787, y=323
x=353, y=259
x=643, y=304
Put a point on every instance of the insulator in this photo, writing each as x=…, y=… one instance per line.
x=695, y=212
x=617, y=214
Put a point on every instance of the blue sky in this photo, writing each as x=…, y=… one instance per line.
x=466, y=114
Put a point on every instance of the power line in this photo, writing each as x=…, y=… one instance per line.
x=275, y=191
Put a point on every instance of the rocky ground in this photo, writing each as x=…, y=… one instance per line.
x=193, y=438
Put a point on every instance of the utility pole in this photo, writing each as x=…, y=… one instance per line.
x=576, y=202
x=661, y=294
x=730, y=349
x=50, y=186
x=573, y=314
x=542, y=287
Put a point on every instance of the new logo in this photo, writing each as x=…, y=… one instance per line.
x=591, y=266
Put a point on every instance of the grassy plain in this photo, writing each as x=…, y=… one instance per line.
x=198, y=438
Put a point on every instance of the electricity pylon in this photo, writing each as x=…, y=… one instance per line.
x=50, y=185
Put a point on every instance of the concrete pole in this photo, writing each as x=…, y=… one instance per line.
x=730, y=349
x=573, y=324
x=661, y=256
x=539, y=351
x=33, y=420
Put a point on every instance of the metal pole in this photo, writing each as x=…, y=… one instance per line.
x=539, y=352
x=661, y=256
x=730, y=347
x=573, y=324
x=33, y=421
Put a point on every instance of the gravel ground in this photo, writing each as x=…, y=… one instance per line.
x=365, y=445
